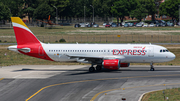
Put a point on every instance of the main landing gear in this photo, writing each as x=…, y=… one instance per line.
x=92, y=69
x=152, y=68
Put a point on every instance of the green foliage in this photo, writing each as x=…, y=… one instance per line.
x=170, y=8
x=5, y=12
x=103, y=7
x=15, y=6
x=151, y=7
x=120, y=9
x=140, y=11
x=62, y=40
x=43, y=11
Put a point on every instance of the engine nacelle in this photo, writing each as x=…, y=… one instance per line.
x=111, y=64
x=124, y=64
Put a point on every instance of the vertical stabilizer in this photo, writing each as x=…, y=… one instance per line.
x=22, y=32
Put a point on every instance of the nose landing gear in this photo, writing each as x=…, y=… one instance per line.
x=152, y=68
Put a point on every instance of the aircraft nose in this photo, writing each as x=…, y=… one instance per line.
x=172, y=56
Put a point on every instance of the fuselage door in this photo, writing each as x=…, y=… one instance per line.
x=151, y=51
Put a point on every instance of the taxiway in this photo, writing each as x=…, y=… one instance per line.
x=75, y=83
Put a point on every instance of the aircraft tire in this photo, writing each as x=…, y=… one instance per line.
x=98, y=67
x=91, y=69
x=152, y=69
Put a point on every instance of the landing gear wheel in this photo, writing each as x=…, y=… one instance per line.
x=98, y=67
x=91, y=69
x=152, y=69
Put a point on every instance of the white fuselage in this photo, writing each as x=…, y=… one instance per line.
x=127, y=53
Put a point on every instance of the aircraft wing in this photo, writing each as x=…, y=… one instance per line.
x=95, y=57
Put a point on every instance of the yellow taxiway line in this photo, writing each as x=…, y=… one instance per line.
x=100, y=80
x=67, y=83
x=95, y=96
x=1, y=79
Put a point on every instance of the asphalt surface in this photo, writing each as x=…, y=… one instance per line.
x=75, y=83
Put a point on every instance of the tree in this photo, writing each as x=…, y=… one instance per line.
x=151, y=7
x=5, y=12
x=61, y=6
x=103, y=8
x=43, y=11
x=133, y=5
x=30, y=6
x=140, y=12
x=15, y=6
x=170, y=8
x=120, y=9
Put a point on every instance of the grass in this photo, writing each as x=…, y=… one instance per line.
x=99, y=35
x=135, y=28
x=172, y=94
x=59, y=30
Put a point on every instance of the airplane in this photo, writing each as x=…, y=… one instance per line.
x=109, y=56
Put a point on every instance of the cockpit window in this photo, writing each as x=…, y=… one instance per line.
x=163, y=50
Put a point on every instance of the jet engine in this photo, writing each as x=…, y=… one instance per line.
x=111, y=64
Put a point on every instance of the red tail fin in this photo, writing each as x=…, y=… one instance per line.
x=22, y=32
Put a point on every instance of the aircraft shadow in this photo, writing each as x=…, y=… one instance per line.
x=47, y=70
x=95, y=72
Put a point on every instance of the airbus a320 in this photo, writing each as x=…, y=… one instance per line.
x=109, y=56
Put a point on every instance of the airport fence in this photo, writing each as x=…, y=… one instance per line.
x=102, y=38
